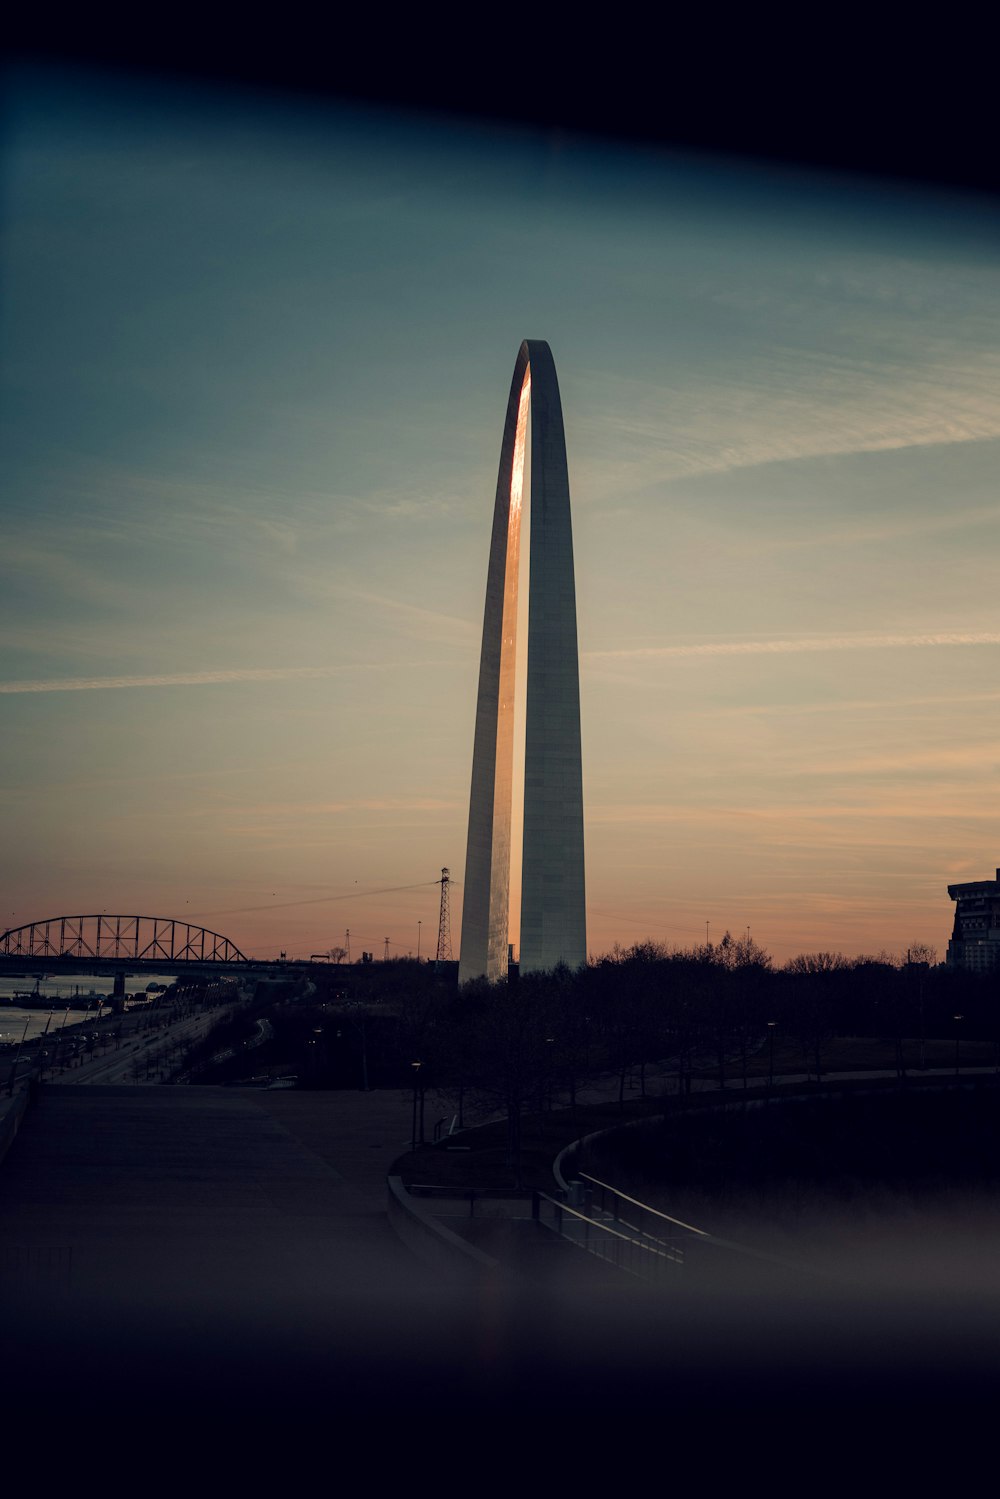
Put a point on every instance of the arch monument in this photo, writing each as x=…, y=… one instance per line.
x=553, y=915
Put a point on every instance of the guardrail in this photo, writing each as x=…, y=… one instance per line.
x=622, y=1208
x=695, y=1248
x=433, y=1242
x=644, y=1256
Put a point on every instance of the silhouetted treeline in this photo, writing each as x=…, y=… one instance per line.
x=512, y=1048
x=720, y=1000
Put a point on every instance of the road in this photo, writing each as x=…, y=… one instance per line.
x=139, y=1046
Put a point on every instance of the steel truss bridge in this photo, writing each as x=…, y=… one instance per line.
x=126, y=943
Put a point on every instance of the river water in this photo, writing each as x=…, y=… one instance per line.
x=49, y=1009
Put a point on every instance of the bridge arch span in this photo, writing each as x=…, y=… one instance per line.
x=103, y=936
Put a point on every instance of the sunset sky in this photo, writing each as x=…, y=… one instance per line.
x=255, y=362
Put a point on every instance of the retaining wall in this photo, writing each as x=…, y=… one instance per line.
x=433, y=1242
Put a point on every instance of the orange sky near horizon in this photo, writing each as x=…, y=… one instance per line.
x=254, y=369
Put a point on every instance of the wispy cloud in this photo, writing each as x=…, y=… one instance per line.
x=880, y=807
x=788, y=404
x=841, y=706
x=311, y=809
x=888, y=528
x=56, y=571
x=195, y=678
x=801, y=645
x=431, y=622
x=932, y=762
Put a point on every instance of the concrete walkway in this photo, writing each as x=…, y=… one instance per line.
x=191, y=1193
x=202, y=1244
x=176, y=1260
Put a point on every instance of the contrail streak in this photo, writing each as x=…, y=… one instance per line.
x=183, y=678
x=794, y=647
x=637, y=653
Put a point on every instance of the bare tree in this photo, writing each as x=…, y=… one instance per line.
x=922, y=952
x=812, y=1013
x=504, y=1047
x=920, y=958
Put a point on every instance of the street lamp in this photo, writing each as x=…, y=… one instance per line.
x=359, y=1026
x=41, y=1052
x=59, y=1034
x=771, y=1024
x=17, y=1058
x=957, y=1019
x=416, y=1085
x=314, y=1047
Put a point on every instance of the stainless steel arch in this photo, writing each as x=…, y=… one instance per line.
x=553, y=912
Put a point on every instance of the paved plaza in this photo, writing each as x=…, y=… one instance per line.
x=185, y=1244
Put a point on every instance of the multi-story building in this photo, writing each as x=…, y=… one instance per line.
x=975, y=940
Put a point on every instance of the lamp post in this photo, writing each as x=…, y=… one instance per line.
x=41, y=1045
x=314, y=1046
x=17, y=1058
x=957, y=1019
x=59, y=1033
x=359, y=1026
x=771, y=1024
x=416, y=1084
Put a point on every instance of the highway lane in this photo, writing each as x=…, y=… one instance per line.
x=151, y=1051
x=139, y=1046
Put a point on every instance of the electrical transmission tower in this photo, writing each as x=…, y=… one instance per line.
x=444, y=922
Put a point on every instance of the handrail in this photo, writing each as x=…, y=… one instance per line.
x=607, y=1187
x=714, y=1239
x=651, y=1247
x=564, y=1207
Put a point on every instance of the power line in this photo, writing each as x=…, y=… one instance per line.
x=319, y=900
